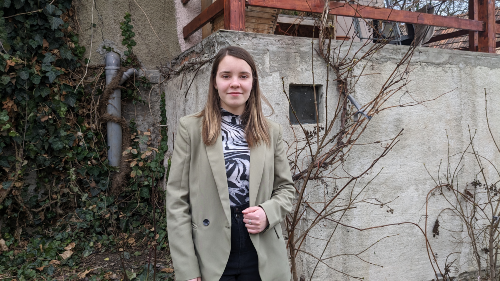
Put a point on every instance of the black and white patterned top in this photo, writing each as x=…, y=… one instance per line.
x=237, y=158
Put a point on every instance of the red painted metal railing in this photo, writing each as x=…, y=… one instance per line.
x=480, y=25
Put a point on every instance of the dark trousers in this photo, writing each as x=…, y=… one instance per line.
x=243, y=263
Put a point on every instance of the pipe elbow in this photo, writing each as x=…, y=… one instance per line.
x=127, y=74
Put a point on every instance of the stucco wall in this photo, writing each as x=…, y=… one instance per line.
x=400, y=179
x=99, y=23
x=185, y=14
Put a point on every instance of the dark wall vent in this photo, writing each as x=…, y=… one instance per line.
x=302, y=100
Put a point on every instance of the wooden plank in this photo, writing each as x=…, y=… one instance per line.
x=367, y=12
x=258, y=26
x=445, y=36
x=256, y=30
x=473, y=35
x=486, y=39
x=260, y=14
x=261, y=9
x=258, y=20
x=234, y=15
x=206, y=30
x=218, y=23
x=262, y=23
x=296, y=20
x=204, y=17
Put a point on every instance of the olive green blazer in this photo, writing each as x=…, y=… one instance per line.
x=197, y=203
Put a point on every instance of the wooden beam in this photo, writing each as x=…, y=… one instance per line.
x=206, y=30
x=445, y=36
x=486, y=39
x=368, y=12
x=473, y=35
x=234, y=15
x=204, y=17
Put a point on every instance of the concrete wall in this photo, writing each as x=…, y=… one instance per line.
x=185, y=14
x=155, y=27
x=400, y=179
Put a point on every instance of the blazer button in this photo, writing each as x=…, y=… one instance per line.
x=206, y=222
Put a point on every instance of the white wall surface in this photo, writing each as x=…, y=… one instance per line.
x=430, y=131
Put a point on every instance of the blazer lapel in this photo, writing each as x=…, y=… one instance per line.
x=215, y=156
x=257, y=157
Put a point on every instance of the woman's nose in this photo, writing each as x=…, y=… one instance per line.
x=235, y=83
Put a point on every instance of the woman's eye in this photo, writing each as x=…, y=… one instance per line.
x=244, y=76
x=225, y=76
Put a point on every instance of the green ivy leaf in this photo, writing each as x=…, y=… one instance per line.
x=144, y=192
x=55, y=22
x=87, y=253
x=4, y=115
x=57, y=145
x=24, y=74
x=6, y=3
x=50, y=270
x=52, y=76
x=46, y=67
x=48, y=58
x=33, y=43
x=50, y=9
x=36, y=79
x=62, y=109
x=5, y=79
x=70, y=100
x=65, y=53
x=4, y=163
x=38, y=38
x=18, y=4
x=42, y=91
x=6, y=184
x=126, y=255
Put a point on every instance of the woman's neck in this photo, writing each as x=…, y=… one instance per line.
x=236, y=111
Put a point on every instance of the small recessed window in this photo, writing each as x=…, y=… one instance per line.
x=302, y=101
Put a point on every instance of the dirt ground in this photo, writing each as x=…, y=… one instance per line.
x=118, y=265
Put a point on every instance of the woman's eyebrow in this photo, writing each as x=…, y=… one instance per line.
x=226, y=71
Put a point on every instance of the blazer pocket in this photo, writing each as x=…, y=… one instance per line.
x=275, y=231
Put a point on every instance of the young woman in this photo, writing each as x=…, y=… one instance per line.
x=230, y=184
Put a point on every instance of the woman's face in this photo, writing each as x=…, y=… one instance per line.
x=234, y=84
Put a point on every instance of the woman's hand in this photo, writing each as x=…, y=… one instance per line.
x=255, y=219
x=195, y=279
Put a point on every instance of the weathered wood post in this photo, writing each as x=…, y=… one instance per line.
x=234, y=15
x=486, y=14
x=473, y=35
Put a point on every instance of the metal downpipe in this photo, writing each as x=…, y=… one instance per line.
x=114, y=108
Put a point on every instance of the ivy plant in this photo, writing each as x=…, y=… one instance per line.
x=55, y=206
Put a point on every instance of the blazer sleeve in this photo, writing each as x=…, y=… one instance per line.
x=283, y=193
x=178, y=210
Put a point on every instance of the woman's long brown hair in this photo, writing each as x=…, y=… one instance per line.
x=256, y=127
